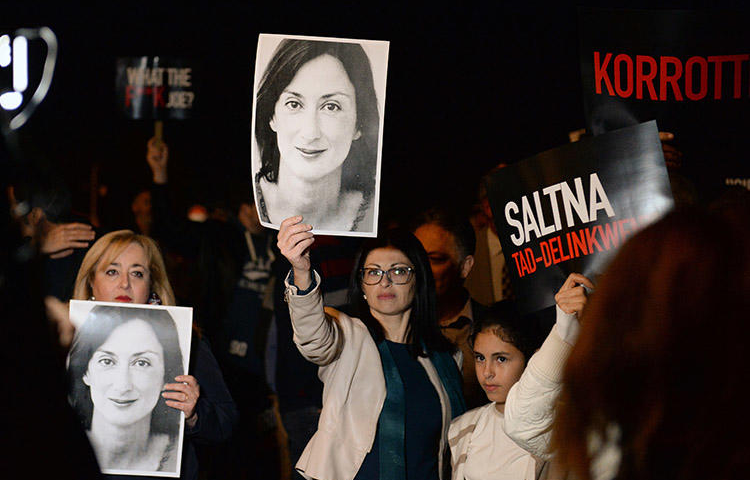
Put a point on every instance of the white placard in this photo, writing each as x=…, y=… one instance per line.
x=317, y=137
x=121, y=358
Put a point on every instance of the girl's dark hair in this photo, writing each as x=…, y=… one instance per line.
x=423, y=319
x=504, y=320
x=97, y=328
x=358, y=171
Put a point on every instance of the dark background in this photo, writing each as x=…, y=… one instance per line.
x=468, y=88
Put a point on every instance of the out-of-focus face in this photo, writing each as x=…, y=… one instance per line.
x=141, y=205
x=445, y=261
x=388, y=298
x=248, y=217
x=315, y=119
x=498, y=364
x=126, y=374
x=126, y=279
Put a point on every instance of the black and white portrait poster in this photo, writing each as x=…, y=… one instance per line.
x=317, y=132
x=570, y=209
x=688, y=70
x=121, y=358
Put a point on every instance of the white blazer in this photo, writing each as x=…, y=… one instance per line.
x=353, y=387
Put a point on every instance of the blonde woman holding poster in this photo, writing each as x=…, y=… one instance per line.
x=126, y=267
x=317, y=127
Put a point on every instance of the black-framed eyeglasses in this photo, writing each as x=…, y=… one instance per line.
x=396, y=275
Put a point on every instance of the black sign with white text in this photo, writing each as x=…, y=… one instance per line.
x=569, y=209
x=155, y=88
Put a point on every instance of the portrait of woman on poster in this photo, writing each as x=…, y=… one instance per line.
x=119, y=363
x=317, y=132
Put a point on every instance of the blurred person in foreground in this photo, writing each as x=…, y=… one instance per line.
x=652, y=388
x=35, y=410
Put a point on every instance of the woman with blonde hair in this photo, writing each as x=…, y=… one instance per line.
x=108, y=248
x=123, y=266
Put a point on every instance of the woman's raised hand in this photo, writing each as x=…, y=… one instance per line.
x=294, y=242
x=571, y=298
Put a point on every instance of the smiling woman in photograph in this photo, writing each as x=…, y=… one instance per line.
x=316, y=127
x=119, y=363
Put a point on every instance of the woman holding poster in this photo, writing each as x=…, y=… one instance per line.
x=119, y=362
x=316, y=128
x=391, y=379
x=125, y=267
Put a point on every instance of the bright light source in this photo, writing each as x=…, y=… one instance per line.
x=4, y=51
x=20, y=63
x=11, y=100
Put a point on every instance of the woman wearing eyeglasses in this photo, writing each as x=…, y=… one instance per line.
x=392, y=383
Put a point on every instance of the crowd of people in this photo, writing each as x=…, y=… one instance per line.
x=390, y=357
x=403, y=356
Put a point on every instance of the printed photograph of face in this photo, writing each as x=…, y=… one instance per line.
x=317, y=123
x=120, y=360
x=126, y=373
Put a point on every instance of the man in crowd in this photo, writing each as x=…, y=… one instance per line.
x=450, y=241
x=489, y=280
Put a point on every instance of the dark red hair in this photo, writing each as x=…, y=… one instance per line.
x=662, y=355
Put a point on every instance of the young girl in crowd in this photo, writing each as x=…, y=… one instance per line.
x=480, y=448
